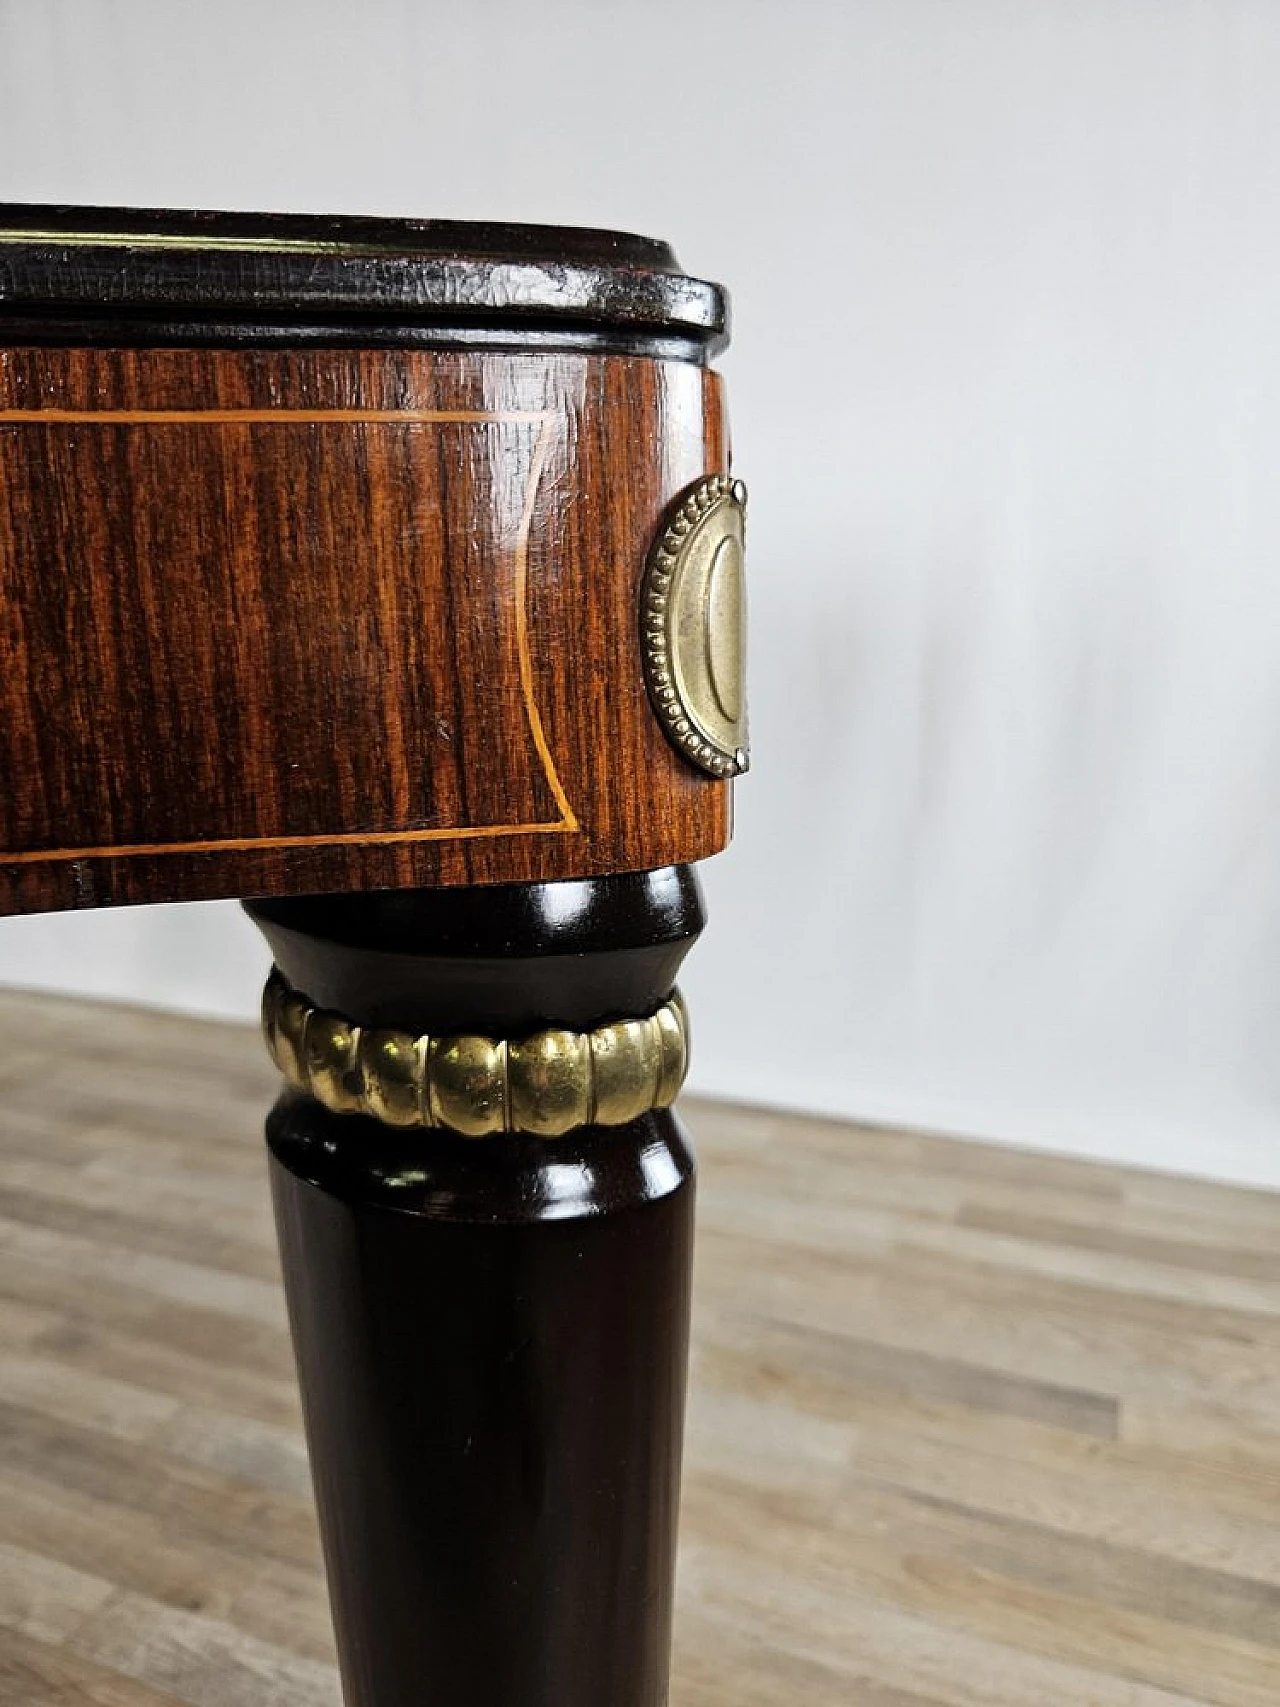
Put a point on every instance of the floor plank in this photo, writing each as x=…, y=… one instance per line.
x=969, y=1426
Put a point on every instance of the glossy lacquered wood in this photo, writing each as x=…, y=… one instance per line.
x=504, y=959
x=491, y=1331
x=492, y=1353
x=162, y=275
x=285, y=621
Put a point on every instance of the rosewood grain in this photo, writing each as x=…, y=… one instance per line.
x=287, y=621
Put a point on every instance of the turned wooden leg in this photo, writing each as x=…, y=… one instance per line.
x=491, y=1330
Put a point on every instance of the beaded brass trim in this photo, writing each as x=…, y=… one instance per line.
x=544, y=1085
x=693, y=626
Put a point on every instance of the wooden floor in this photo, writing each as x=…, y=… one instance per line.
x=968, y=1426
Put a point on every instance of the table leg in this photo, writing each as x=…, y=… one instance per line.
x=491, y=1330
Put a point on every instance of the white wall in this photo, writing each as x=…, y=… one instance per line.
x=1007, y=392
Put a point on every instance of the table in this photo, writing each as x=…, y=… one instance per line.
x=389, y=574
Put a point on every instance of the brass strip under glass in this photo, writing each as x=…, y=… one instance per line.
x=544, y=1085
x=174, y=240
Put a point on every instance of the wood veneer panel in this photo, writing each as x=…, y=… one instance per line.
x=278, y=621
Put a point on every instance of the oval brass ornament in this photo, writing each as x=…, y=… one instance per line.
x=693, y=626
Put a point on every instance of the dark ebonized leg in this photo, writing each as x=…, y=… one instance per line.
x=491, y=1332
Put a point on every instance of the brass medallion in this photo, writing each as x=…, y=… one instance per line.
x=693, y=626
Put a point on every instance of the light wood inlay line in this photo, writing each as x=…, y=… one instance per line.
x=568, y=819
x=353, y=838
x=969, y=1427
x=566, y=823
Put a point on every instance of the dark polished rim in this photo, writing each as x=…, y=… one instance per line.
x=144, y=275
x=504, y=960
x=497, y=921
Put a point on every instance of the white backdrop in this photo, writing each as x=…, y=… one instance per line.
x=1006, y=386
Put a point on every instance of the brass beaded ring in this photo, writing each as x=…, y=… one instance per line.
x=544, y=1085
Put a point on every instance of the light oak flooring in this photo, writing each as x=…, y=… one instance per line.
x=969, y=1427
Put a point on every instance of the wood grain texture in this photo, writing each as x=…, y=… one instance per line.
x=287, y=621
x=968, y=1426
